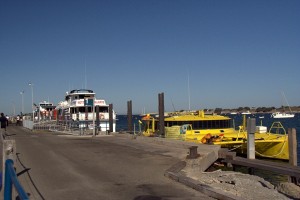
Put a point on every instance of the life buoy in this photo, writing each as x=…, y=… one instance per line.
x=206, y=138
x=218, y=138
x=209, y=139
x=101, y=116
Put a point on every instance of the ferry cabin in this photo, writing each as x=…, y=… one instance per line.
x=78, y=106
x=80, y=111
x=198, y=124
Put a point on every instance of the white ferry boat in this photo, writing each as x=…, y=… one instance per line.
x=78, y=107
x=44, y=110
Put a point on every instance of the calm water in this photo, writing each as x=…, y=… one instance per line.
x=266, y=121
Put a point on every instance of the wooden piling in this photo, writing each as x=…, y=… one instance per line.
x=97, y=108
x=292, y=140
x=57, y=117
x=86, y=115
x=161, y=111
x=111, y=120
x=129, y=115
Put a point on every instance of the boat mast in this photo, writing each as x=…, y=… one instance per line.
x=286, y=101
x=189, y=91
x=85, y=73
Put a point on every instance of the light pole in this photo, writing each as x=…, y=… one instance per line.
x=14, y=109
x=21, y=93
x=31, y=85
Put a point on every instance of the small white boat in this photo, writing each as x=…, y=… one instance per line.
x=282, y=115
x=246, y=113
x=261, y=117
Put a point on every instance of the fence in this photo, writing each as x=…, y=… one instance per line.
x=83, y=127
x=8, y=155
x=11, y=179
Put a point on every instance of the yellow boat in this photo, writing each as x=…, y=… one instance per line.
x=216, y=129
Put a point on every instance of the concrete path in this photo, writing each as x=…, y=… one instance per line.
x=55, y=166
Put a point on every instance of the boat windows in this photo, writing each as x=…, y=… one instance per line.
x=196, y=125
x=82, y=109
x=103, y=109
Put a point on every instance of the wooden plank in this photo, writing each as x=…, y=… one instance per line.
x=280, y=168
x=224, y=153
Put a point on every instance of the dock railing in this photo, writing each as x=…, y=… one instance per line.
x=10, y=179
x=83, y=127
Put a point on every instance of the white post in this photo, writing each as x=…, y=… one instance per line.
x=14, y=108
x=251, y=128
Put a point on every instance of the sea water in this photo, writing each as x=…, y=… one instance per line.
x=267, y=121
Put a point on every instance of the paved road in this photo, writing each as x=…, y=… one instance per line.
x=108, y=167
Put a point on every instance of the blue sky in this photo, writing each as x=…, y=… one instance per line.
x=223, y=53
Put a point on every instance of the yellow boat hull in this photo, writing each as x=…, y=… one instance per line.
x=215, y=129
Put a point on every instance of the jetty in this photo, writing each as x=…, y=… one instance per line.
x=56, y=165
x=55, y=161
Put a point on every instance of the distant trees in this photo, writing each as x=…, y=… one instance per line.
x=264, y=109
x=241, y=109
x=246, y=108
x=218, y=111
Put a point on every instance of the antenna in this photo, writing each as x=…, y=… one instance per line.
x=85, y=72
x=173, y=105
x=189, y=91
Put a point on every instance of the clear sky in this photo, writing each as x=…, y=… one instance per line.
x=202, y=53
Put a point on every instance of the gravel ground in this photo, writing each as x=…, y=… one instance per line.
x=238, y=184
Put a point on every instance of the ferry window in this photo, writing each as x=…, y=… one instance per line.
x=189, y=128
x=217, y=124
x=81, y=109
x=221, y=124
x=103, y=109
x=209, y=124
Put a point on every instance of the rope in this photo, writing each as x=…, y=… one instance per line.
x=235, y=148
x=280, y=152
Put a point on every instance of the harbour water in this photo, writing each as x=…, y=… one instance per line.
x=237, y=119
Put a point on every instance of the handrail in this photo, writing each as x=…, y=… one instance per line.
x=10, y=180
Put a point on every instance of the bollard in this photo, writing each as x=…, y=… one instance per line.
x=193, y=154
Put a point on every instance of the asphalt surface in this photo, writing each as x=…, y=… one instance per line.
x=56, y=166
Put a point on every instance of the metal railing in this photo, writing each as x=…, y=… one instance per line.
x=12, y=180
x=83, y=127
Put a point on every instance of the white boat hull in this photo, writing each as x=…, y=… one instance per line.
x=282, y=115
